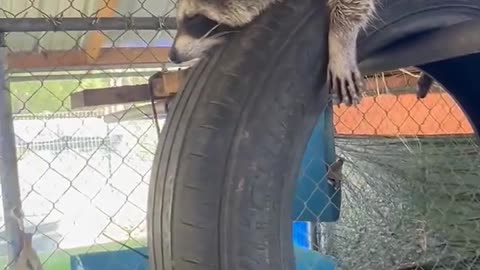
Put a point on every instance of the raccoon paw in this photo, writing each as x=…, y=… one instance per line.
x=345, y=82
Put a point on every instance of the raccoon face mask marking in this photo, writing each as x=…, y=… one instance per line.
x=196, y=35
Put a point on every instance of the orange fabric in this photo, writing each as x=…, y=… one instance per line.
x=403, y=115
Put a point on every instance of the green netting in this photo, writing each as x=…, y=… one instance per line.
x=408, y=202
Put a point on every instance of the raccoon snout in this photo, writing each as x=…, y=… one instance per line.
x=173, y=56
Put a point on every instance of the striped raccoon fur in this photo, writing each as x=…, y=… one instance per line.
x=203, y=24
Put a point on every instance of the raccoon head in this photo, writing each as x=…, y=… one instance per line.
x=197, y=34
x=203, y=24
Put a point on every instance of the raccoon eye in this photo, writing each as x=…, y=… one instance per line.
x=198, y=25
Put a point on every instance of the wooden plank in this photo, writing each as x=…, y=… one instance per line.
x=169, y=83
x=79, y=59
x=110, y=96
x=172, y=81
x=128, y=93
x=397, y=84
x=393, y=114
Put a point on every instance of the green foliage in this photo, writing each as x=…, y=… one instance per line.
x=60, y=259
x=38, y=97
x=410, y=201
x=53, y=95
x=49, y=95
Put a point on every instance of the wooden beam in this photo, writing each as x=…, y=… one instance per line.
x=79, y=59
x=172, y=81
x=169, y=83
x=116, y=95
x=397, y=84
x=163, y=87
x=96, y=39
x=110, y=96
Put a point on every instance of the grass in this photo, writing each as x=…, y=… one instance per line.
x=60, y=259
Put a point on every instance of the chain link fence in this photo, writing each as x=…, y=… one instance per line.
x=410, y=186
x=83, y=173
x=409, y=201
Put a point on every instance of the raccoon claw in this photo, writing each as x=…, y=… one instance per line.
x=345, y=86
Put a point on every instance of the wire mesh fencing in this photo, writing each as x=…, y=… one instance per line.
x=84, y=193
x=410, y=183
x=83, y=171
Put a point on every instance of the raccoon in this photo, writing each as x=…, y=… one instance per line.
x=203, y=24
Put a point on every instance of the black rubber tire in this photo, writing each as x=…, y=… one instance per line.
x=218, y=188
x=459, y=75
x=223, y=178
x=397, y=19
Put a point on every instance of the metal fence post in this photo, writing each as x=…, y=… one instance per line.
x=8, y=160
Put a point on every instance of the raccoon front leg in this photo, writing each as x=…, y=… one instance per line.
x=347, y=18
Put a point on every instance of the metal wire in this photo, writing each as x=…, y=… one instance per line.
x=411, y=182
x=409, y=191
x=74, y=167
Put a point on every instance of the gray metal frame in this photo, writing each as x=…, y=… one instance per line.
x=8, y=160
